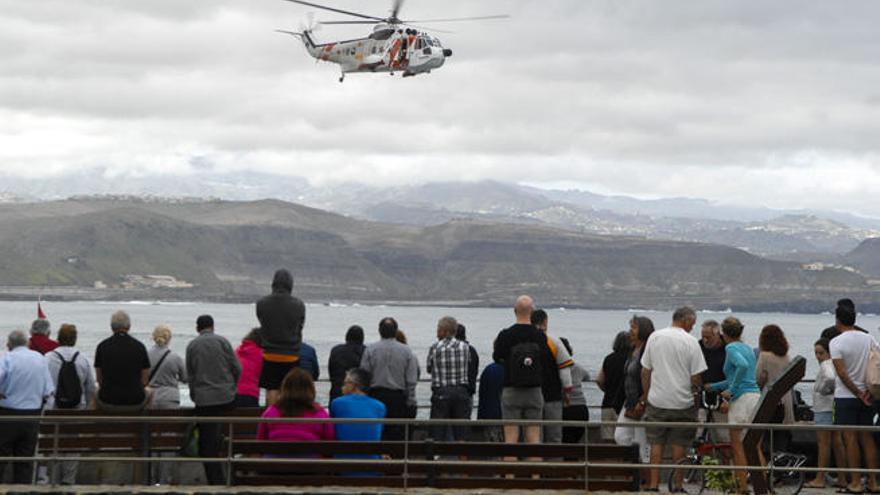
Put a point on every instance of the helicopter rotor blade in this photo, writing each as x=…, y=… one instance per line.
x=423, y=28
x=348, y=22
x=396, y=8
x=459, y=19
x=338, y=11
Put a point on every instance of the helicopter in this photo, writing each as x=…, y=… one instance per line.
x=394, y=45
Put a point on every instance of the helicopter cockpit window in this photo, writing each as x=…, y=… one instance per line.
x=419, y=44
x=382, y=35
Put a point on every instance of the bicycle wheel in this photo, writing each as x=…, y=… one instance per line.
x=785, y=481
x=692, y=480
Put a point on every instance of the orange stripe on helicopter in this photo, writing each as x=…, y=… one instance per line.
x=395, y=47
x=327, y=50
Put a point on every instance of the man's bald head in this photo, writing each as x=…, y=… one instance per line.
x=523, y=309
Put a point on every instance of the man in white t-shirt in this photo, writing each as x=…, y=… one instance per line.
x=852, y=400
x=671, y=365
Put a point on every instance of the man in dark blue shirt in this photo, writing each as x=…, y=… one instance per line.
x=489, y=402
x=308, y=360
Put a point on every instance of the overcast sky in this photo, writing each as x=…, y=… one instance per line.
x=752, y=102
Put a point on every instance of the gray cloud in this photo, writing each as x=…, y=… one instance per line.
x=757, y=103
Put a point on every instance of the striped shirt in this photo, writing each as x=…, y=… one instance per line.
x=448, y=363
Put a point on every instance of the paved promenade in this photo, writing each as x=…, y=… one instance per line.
x=252, y=490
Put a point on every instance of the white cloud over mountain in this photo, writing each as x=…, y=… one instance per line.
x=774, y=104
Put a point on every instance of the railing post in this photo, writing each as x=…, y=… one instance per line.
x=229, y=454
x=406, y=456
x=144, y=468
x=54, y=462
x=770, y=461
x=586, y=457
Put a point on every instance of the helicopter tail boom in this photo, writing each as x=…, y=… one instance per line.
x=305, y=37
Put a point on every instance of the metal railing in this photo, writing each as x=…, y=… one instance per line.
x=590, y=382
x=54, y=456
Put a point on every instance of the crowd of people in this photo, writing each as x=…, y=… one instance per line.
x=652, y=375
x=669, y=375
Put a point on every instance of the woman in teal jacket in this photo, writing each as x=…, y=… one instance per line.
x=739, y=389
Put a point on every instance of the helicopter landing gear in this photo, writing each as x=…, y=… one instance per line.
x=342, y=77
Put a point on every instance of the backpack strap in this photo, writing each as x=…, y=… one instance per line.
x=62, y=357
x=552, y=347
x=156, y=368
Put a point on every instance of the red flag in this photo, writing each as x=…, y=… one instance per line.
x=40, y=314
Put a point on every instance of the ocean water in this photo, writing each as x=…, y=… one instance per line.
x=590, y=332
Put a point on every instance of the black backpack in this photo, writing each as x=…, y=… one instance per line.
x=68, y=389
x=525, y=365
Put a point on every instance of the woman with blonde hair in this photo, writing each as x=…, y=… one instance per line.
x=167, y=371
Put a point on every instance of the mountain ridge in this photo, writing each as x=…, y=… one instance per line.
x=228, y=251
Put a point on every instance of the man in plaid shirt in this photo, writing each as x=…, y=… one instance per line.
x=448, y=366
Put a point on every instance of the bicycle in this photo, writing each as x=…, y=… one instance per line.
x=783, y=481
x=704, y=447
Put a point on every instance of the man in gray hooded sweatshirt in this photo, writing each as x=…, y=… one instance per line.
x=282, y=317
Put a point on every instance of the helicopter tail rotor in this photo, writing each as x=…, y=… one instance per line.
x=310, y=24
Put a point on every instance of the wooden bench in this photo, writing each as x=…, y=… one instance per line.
x=122, y=436
x=490, y=472
x=486, y=470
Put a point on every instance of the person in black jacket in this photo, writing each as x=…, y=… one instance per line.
x=523, y=351
x=282, y=317
x=473, y=360
x=344, y=357
x=610, y=381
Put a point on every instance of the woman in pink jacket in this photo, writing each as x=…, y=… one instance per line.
x=296, y=400
x=250, y=355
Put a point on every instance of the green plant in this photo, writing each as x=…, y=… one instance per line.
x=721, y=480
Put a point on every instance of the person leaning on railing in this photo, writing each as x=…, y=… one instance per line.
x=282, y=317
x=250, y=355
x=344, y=357
x=213, y=372
x=167, y=371
x=25, y=385
x=66, y=352
x=447, y=363
x=395, y=373
x=122, y=369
